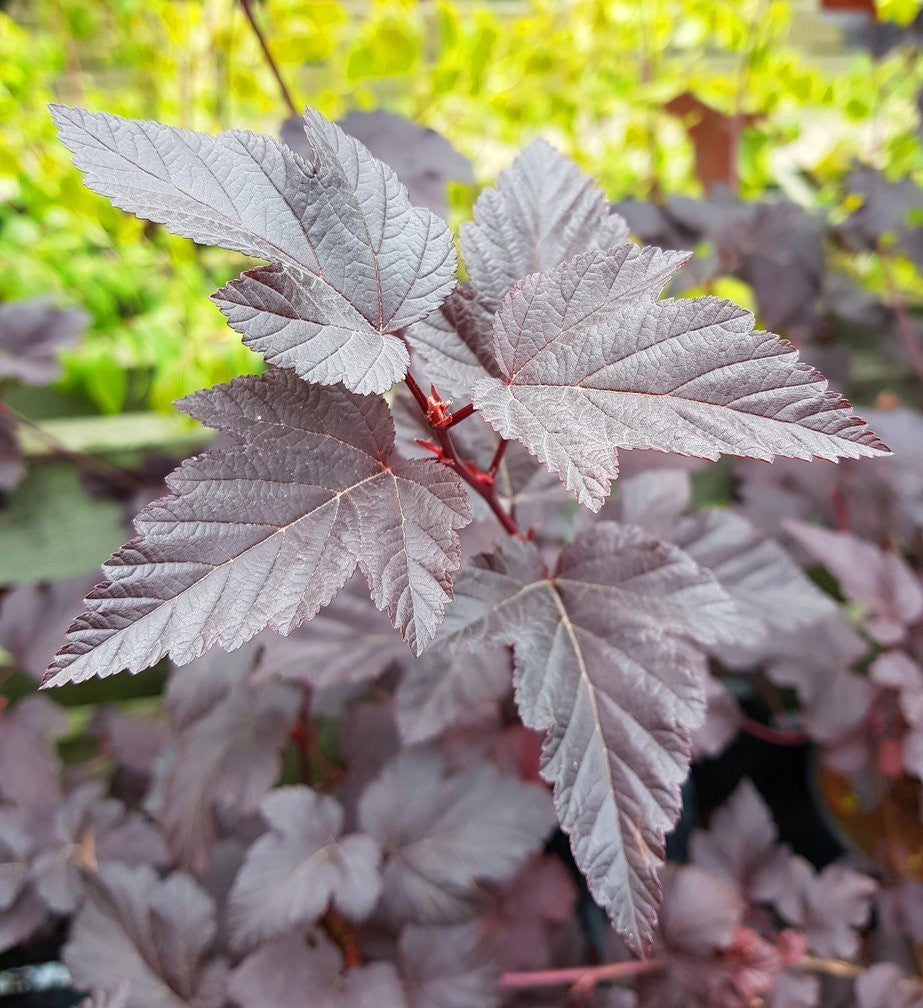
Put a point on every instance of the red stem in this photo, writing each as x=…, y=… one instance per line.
x=775, y=736
x=273, y=66
x=481, y=483
x=460, y=415
x=498, y=457
x=585, y=976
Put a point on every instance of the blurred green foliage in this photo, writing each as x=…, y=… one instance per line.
x=592, y=76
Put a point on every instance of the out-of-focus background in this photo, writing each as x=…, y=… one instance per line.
x=654, y=99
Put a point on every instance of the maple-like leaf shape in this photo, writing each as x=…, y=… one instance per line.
x=543, y=211
x=606, y=666
x=153, y=935
x=292, y=873
x=591, y=362
x=442, y=831
x=351, y=260
x=267, y=531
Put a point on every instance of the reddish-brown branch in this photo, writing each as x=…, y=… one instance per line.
x=498, y=457
x=585, y=977
x=482, y=483
x=273, y=66
x=775, y=736
x=459, y=415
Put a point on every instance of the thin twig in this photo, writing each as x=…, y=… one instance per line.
x=497, y=460
x=775, y=736
x=273, y=66
x=89, y=463
x=481, y=483
x=586, y=976
x=459, y=415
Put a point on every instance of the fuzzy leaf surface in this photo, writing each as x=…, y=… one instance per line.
x=607, y=667
x=292, y=873
x=264, y=533
x=351, y=261
x=441, y=831
x=591, y=362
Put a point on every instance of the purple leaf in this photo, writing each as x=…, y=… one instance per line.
x=723, y=719
x=347, y=642
x=878, y=580
x=443, y=831
x=828, y=907
x=34, y=617
x=154, y=934
x=741, y=845
x=32, y=333
x=605, y=666
x=794, y=990
x=424, y=160
x=266, y=532
x=543, y=211
x=884, y=985
x=229, y=733
x=351, y=261
x=284, y=972
x=448, y=967
x=31, y=769
x=442, y=690
x=90, y=830
x=294, y=871
x=770, y=590
x=592, y=361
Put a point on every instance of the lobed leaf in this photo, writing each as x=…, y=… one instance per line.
x=294, y=871
x=264, y=533
x=591, y=361
x=605, y=665
x=351, y=261
x=442, y=831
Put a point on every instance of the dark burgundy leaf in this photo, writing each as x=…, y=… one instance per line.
x=23, y=832
x=266, y=532
x=154, y=934
x=879, y=580
x=443, y=831
x=90, y=830
x=34, y=618
x=885, y=213
x=442, y=690
x=31, y=769
x=284, y=972
x=687, y=376
x=740, y=844
x=294, y=871
x=526, y=911
x=606, y=666
x=351, y=261
x=543, y=211
x=770, y=590
x=347, y=642
x=116, y=998
x=448, y=967
x=32, y=333
x=228, y=734
x=828, y=907
x=424, y=160
x=723, y=719
x=456, y=343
